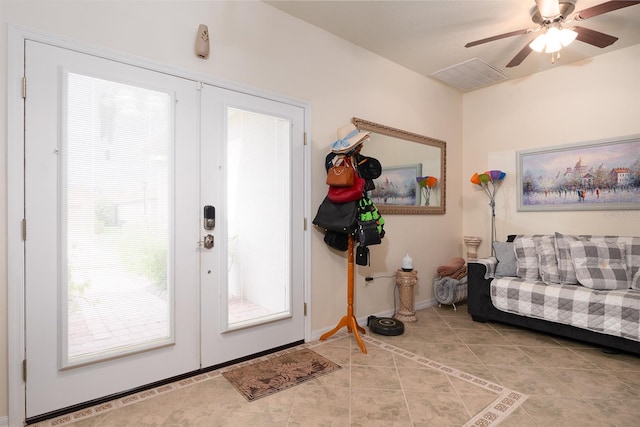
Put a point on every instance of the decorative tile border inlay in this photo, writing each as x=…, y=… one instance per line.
x=506, y=402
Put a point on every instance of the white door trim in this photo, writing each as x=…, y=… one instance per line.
x=15, y=185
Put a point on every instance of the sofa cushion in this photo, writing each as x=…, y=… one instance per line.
x=547, y=262
x=600, y=265
x=566, y=271
x=612, y=312
x=526, y=256
x=506, y=256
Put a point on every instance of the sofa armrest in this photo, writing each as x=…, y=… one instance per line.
x=489, y=264
x=479, y=276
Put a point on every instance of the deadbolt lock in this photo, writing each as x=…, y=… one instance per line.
x=209, y=217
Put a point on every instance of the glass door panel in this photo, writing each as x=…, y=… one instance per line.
x=116, y=255
x=259, y=212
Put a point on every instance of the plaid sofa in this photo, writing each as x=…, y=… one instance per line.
x=581, y=287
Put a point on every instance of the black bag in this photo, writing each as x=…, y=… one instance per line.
x=370, y=223
x=335, y=240
x=362, y=255
x=339, y=217
x=368, y=167
x=368, y=234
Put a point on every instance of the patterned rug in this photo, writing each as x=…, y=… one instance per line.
x=260, y=379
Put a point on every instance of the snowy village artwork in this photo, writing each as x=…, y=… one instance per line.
x=595, y=176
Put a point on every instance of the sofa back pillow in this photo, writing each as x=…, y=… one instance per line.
x=547, y=261
x=633, y=255
x=635, y=282
x=566, y=271
x=600, y=265
x=631, y=246
x=526, y=256
x=506, y=256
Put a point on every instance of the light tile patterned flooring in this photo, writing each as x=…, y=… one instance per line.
x=429, y=376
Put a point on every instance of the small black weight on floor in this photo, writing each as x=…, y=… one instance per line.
x=385, y=325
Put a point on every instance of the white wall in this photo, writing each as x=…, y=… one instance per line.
x=590, y=100
x=256, y=45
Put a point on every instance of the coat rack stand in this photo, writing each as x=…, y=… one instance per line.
x=349, y=320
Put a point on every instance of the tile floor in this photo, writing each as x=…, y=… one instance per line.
x=432, y=375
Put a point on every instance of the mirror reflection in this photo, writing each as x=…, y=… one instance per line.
x=413, y=170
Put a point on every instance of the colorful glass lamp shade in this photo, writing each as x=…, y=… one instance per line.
x=426, y=183
x=490, y=181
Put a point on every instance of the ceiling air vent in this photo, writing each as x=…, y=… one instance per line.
x=470, y=75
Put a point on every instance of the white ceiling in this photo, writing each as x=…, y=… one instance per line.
x=428, y=36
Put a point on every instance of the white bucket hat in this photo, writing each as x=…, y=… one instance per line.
x=348, y=138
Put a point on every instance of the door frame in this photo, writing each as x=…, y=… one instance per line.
x=15, y=185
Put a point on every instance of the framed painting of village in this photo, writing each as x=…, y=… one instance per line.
x=397, y=186
x=599, y=175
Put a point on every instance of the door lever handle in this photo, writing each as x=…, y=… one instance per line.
x=207, y=243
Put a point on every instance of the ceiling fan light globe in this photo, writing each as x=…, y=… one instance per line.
x=553, y=40
x=538, y=43
x=567, y=37
x=553, y=46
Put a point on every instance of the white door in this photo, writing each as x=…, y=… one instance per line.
x=120, y=289
x=252, y=168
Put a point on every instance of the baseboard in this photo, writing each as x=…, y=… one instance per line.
x=4, y=421
x=426, y=303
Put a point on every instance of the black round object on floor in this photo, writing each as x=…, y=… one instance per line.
x=385, y=325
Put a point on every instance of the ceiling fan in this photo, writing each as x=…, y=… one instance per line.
x=551, y=15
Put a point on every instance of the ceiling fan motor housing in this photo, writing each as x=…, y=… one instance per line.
x=566, y=7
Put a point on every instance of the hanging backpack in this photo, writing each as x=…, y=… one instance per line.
x=370, y=229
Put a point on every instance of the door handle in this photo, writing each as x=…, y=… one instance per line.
x=207, y=243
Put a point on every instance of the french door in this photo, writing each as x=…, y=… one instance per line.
x=163, y=226
x=256, y=175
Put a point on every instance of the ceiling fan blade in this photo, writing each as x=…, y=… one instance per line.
x=499, y=36
x=548, y=8
x=520, y=56
x=599, y=9
x=593, y=37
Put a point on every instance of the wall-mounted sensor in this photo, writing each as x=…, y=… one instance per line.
x=202, y=42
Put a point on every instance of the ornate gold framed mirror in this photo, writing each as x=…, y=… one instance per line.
x=413, y=179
